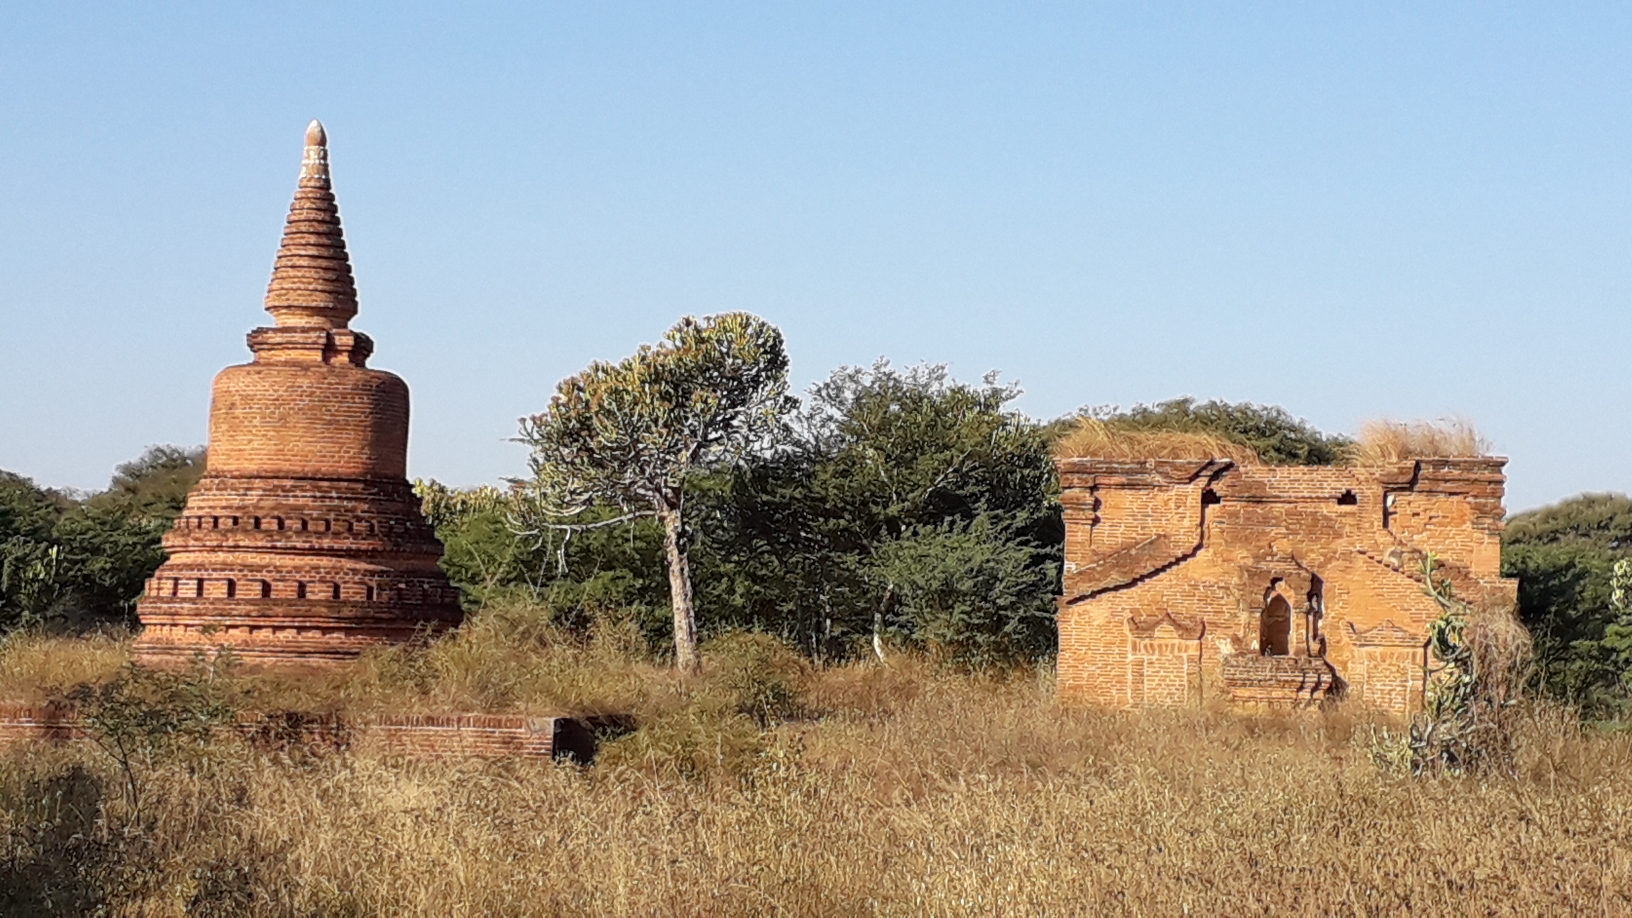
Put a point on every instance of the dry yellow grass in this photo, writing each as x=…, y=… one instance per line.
x=1383, y=442
x=1094, y=439
x=34, y=666
x=902, y=790
x=508, y=659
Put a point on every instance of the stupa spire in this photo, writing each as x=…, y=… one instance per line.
x=311, y=279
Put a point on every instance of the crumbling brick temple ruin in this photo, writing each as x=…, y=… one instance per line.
x=304, y=541
x=1267, y=586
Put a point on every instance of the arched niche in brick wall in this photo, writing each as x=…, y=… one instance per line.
x=1275, y=627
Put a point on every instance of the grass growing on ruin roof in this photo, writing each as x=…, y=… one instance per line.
x=1383, y=442
x=1092, y=438
x=1380, y=442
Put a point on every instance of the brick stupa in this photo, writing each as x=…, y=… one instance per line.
x=303, y=542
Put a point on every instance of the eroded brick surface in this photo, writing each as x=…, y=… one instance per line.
x=304, y=541
x=1266, y=585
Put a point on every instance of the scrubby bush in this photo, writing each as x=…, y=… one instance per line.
x=1475, y=697
x=764, y=678
x=969, y=592
x=141, y=717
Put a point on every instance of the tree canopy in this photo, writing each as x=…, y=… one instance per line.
x=81, y=559
x=631, y=434
x=884, y=468
x=1565, y=556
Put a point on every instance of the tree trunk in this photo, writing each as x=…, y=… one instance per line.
x=686, y=658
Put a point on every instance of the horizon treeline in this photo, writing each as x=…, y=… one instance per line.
x=898, y=507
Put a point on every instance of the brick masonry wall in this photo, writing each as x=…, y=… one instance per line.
x=1170, y=566
x=303, y=542
x=280, y=420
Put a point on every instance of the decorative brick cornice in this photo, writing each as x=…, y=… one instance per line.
x=1136, y=473
x=304, y=344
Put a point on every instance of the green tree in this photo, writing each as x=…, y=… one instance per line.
x=111, y=541
x=1271, y=431
x=27, y=510
x=630, y=435
x=577, y=574
x=480, y=553
x=78, y=559
x=1564, y=557
x=904, y=501
x=32, y=576
x=32, y=581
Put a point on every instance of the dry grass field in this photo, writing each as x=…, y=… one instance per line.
x=767, y=787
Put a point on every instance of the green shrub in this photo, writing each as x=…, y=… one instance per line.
x=765, y=678
x=972, y=593
x=144, y=717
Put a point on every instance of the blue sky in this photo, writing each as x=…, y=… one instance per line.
x=1389, y=211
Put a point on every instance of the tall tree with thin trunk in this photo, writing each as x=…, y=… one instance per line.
x=629, y=434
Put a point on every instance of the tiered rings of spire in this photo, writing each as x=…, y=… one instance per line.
x=311, y=279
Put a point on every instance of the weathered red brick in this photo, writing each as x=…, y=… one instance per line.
x=1266, y=585
x=304, y=541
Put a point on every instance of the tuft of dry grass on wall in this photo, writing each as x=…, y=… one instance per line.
x=1383, y=442
x=1095, y=439
x=869, y=790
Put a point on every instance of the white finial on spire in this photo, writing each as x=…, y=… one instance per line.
x=315, y=164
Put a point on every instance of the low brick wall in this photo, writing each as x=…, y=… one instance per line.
x=38, y=723
x=477, y=735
